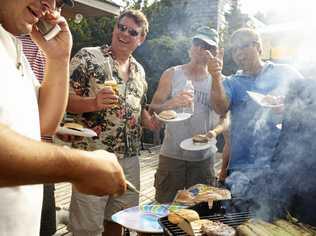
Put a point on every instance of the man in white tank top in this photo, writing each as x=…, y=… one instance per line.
x=179, y=168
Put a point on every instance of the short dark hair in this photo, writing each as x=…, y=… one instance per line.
x=139, y=18
x=248, y=33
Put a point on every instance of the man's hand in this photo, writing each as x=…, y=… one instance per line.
x=105, y=98
x=150, y=122
x=182, y=99
x=103, y=175
x=59, y=47
x=211, y=134
x=215, y=64
x=222, y=175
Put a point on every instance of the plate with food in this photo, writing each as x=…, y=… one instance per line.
x=76, y=130
x=268, y=101
x=144, y=218
x=198, y=142
x=171, y=116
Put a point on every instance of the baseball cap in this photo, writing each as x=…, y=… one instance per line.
x=208, y=35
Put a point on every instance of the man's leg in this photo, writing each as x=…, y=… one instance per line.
x=48, y=218
x=169, y=178
x=86, y=214
x=128, y=199
x=199, y=172
x=112, y=229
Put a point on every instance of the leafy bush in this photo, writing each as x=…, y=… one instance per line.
x=158, y=54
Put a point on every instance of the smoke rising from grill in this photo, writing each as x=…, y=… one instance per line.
x=291, y=182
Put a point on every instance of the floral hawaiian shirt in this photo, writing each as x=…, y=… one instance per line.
x=118, y=128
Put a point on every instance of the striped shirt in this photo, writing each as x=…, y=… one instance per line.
x=37, y=61
x=34, y=56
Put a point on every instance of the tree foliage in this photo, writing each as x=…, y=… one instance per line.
x=158, y=54
x=91, y=32
x=235, y=19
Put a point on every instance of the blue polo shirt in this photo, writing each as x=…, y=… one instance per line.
x=253, y=128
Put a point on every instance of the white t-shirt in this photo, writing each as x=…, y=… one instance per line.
x=20, y=207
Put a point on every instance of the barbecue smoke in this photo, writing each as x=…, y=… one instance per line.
x=290, y=183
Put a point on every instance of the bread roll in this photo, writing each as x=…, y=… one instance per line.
x=175, y=217
x=168, y=114
x=184, y=197
x=193, y=227
x=72, y=125
x=200, y=138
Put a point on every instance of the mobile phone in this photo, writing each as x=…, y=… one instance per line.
x=48, y=30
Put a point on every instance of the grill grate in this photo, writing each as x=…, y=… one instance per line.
x=233, y=219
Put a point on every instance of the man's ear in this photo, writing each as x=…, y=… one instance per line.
x=141, y=40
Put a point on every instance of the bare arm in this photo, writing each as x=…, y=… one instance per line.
x=160, y=102
x=225, y=158
x=163, y=91
x=221, y=127
x=53, y=93
x=24, y=161
x=219, y=101
x=105, y=98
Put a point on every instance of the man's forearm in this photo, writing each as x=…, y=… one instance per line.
x=25, y=161
x=219, y=100
x=53, y=95
x=77, y=104
x=221, y=126
x=160, y=107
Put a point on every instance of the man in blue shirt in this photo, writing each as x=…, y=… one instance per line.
x=253, y=127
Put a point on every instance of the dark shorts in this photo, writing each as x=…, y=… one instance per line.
x=173, y=175
x=48, y=217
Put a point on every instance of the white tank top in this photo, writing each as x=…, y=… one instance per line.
x=203, y=119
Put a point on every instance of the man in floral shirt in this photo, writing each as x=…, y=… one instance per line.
x=116, y=116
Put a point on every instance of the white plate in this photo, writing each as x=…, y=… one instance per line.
x=189, y=145
x=180, y=117
x=258, y=98
x=84, y=133
x=142, y=219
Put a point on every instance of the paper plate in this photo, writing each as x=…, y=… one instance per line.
x=189, y=145
x=259, y=98
x=144, y=218
x=83, y=133
x=180, y=117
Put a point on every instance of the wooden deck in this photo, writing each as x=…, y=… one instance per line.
x=148, y=166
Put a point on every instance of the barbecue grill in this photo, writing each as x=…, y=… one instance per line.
x=231, y=212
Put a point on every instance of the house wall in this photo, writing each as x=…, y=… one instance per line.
x=206, y=12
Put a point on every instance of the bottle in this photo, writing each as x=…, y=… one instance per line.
x=189, y=88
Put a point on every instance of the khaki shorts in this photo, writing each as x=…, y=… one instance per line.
x=88, y=213
x=173, y=175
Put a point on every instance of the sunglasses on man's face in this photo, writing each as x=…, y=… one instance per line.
x=205, y=46
x=131, y=32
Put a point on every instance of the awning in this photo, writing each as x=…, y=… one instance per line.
x=92, y=8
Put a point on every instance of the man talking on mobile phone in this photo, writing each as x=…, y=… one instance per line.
x=28, y=109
